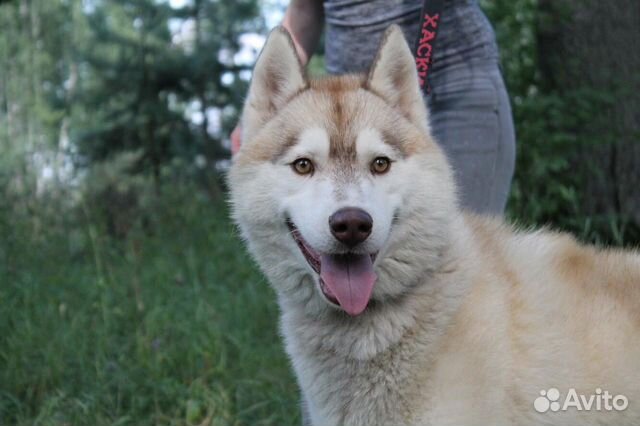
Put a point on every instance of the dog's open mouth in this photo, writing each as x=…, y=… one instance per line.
x=346, y=279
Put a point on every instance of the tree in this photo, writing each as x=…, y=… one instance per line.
x=589, y=55
x=139, y=83
x=36, y=50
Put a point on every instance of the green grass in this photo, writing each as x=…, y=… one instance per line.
x=173, y=325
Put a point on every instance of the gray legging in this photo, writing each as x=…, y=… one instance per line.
x=470, y=112
x=471, y=119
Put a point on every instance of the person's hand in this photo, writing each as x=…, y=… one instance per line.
x=236, y=136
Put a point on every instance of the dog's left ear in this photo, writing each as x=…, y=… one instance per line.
x=394, y=77
x=277, y=76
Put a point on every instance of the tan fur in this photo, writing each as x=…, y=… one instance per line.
x=470, y=319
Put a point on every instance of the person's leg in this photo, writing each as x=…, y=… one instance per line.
x=471, y=119
x=506, y=155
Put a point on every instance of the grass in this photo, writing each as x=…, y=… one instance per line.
x=171, y=326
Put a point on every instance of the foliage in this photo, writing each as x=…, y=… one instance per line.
x=140, y=83
x=83, y=81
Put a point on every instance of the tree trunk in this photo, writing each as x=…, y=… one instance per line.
x=588, y=46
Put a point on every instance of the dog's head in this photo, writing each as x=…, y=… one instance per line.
x=338, y=188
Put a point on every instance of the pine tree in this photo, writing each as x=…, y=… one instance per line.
x=140, y=84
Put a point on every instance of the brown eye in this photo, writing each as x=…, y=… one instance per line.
x=380, y=165
x=302, y=166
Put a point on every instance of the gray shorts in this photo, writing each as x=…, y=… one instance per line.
x=471, y=119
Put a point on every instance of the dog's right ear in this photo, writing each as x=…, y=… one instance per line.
x=277, y=76
x=393, y=76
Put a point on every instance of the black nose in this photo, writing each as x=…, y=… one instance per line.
x=350, y=225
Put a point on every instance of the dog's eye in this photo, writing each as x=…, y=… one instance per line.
x=302, y=166
x=380, y=165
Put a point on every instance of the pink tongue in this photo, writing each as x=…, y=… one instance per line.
x=350, y=278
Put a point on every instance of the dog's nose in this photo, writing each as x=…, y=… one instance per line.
x=351, y=225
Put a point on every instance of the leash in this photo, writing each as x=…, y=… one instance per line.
x=429, y=23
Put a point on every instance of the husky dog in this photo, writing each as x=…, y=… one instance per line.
x=396, y=307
